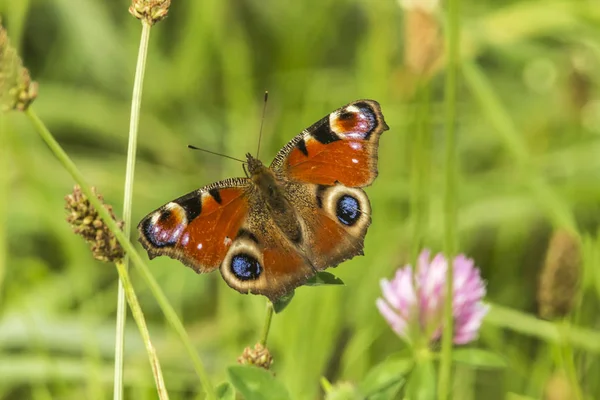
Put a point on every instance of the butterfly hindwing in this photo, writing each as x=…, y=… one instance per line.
x=335, y=221
x=198, y=228
x=262, y=259
x=340, y=148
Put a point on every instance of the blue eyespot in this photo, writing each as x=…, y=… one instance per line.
x=245, y=267
x=347, y=210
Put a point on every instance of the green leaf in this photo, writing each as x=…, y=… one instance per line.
x=478, y=358
x=343, y=391
x=391, y=392
x=385, y=375
x=225, y=391
x=324, y=278
x=255, y=383
x=422, y=380
x=282, y=302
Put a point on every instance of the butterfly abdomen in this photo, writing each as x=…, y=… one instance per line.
x=272, y=193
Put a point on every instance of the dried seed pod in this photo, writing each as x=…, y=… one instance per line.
x=423, y=44
x=560, y=276
x=259, y=356
x=151, y=11
x=17, y=90
x=86, y=223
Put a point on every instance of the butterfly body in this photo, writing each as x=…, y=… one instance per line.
x=269, y=232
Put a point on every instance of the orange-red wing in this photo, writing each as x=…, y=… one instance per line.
x=340, y=148
x=198, y=228
x=350, y=162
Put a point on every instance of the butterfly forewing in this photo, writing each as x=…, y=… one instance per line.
x=340, y=148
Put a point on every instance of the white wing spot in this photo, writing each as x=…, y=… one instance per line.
x=185, y=239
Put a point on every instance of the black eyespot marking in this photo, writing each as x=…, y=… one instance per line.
x=347, y=210
x=165, y=215
x=244, y=233
x=156, y=233
x=345, y=115
x=245, y=267
x=367, y=111
x=323, y=133
x=216, y=195
x=192, y=206
x=366, y=108
x=301, y=145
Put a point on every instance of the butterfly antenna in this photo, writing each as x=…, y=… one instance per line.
x=216, y=154
x=262, y=120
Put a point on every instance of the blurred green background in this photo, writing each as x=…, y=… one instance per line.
x=525, y=168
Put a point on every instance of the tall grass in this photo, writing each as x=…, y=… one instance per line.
x=527, y=145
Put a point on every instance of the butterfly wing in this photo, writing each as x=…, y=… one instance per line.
x=226, y=225
x=325, y=166
x=198, y=228
x=262, y=259
x=335, y=221
x=340, y=148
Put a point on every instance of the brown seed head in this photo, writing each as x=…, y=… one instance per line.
x=422, y=38
x=151, y=11
x=560, y=276
x=86, y=223
x=259, y=356
x=17, y=90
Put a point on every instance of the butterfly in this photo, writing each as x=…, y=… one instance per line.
x=275, y=228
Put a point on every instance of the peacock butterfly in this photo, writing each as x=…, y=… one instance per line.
x=271, y=231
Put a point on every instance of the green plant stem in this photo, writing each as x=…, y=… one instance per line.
x=4, y=191
x=158, y=294
x=138, y=316
x=450, y=239
x=526, y=324
x=267, y=325
x=136, y=101
x=568, y=361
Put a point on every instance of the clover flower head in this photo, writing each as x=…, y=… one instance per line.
x=413, y=304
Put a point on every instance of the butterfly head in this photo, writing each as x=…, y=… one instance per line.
x=255, y=166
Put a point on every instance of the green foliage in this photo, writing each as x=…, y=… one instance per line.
x=386, y=376
x=324, y=279
x=256, y=383
x=225, y=391
x=478, y=358
x=281, y=303
x=528, y=144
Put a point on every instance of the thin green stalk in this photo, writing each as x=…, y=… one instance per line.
x=136, y=101
x=526, y=324
x=267, y=326
x=158, y=294
x=450, y=239
x=4, y=191
x=567, y=356
x=138, y=316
